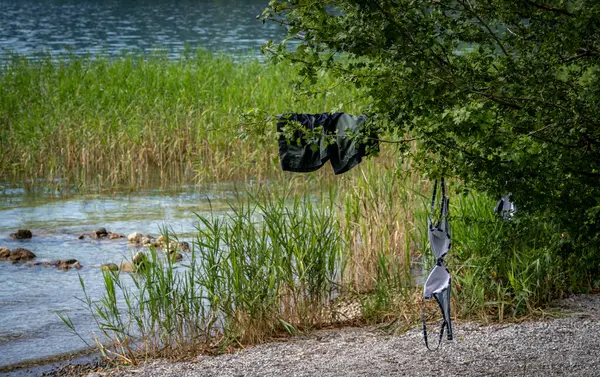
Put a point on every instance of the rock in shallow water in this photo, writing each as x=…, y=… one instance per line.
x=149, y=241
x=22, y=234
x=135, y=237
x=67, y=264
x=176, y=257
x=19, y=255
x=139, y=258
x=99, y=233
x=109, y=267
x=127, y=267
x=114, y=236
x=4, y=253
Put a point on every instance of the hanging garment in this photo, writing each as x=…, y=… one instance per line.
x=438, y=283
x=333, y=144
x=505, y=208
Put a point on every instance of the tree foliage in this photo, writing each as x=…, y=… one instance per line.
x=502, y=94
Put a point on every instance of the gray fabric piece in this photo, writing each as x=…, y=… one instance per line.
x=439, y=235
x=505, y=208
x=443, y=300
x=334, y=143
x=437, y=281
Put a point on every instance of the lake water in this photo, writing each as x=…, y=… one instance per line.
x=31, y=296
x=31, y=27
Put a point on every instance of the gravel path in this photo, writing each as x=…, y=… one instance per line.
x=566, y=346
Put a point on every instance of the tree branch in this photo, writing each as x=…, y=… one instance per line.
x=549, y=8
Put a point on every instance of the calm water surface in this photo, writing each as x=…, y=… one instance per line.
x=30, y=296
x=30, y=27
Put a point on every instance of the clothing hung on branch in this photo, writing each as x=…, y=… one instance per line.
x=339, y=140
x=438, y=283
x=505, y=208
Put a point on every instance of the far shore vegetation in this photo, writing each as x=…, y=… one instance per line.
x=298, y=252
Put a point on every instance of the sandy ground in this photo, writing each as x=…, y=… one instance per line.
x=567, y=346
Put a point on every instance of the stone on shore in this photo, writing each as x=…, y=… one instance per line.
x=135, y=237
x=22, y=234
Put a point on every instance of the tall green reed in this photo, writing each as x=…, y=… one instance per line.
x=267, y=266
x=113, y=121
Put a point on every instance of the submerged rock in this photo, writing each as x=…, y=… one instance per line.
x=4, y=253
x=100, y=233
x=173, y=245
x=176, y=246
x=20, y=255
x=109, y=267
x=67, y=264
x=149, y=241
x=42, y=264
x=127, y=267
x=22, y=234
x=176, y=257
x=114, y=236
x=135, y=237
x=139, y=258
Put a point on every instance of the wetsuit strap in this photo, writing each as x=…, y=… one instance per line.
x=443, y=188
x=425, y=328
x=443, y=208
x=433, y=197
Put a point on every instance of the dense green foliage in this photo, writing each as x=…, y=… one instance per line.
x=504, y=95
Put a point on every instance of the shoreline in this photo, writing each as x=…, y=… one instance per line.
x=563, y=343
x=48, y=364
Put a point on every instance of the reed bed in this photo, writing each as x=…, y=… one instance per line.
x=119, y=121
x=288, y=257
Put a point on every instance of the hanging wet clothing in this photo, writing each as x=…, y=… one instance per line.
x=438, y=283
x=338, y=141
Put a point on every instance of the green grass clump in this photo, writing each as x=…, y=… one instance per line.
x=120, y=120
x=266, y=267
x=506, y=268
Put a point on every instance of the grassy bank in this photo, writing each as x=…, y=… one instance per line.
x=129, y=120
x=292, y=257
